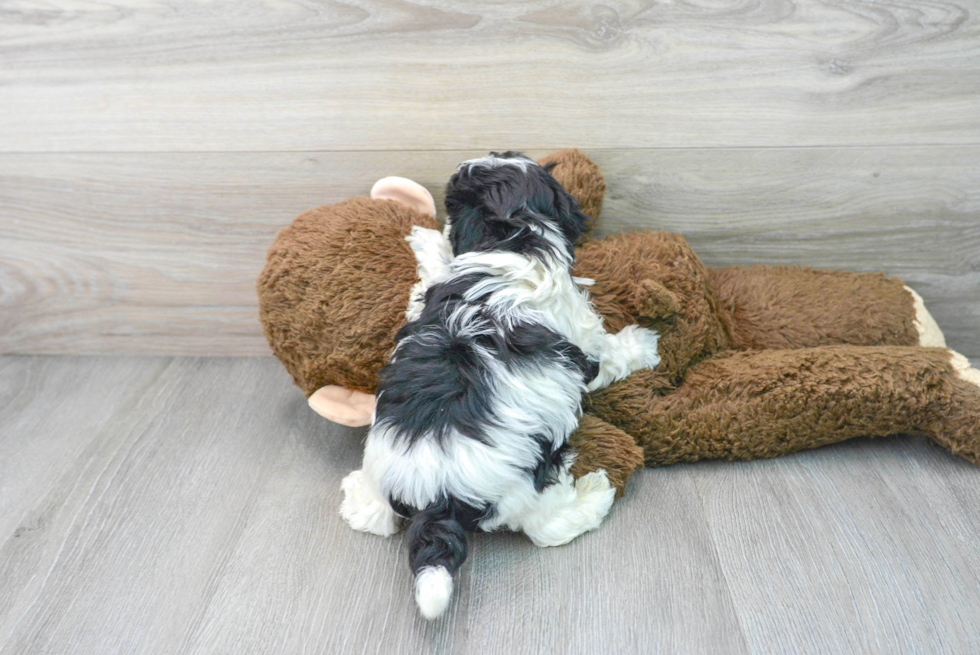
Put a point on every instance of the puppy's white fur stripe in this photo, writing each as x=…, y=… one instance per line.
x=433, y=254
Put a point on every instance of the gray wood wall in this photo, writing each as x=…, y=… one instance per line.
x=149, y=150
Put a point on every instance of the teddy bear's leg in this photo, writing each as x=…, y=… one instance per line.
x=563, y=510
x=957, y=425
x=364, y=508
x=798, y=307
x=749, y=405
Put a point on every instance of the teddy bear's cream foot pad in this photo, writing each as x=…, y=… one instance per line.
x=929, y=333
x=963, y=369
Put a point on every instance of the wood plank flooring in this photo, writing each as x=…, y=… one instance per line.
x=182, y=505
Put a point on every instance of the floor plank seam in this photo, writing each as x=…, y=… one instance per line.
x=721, y=566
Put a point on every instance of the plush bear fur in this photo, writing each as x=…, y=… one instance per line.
x=756, y=362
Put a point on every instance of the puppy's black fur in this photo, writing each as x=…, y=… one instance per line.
x=436, y=383
x=507, y=208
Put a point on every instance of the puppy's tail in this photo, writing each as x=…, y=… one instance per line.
x=437, y=547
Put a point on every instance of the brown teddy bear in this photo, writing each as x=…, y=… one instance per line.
x=755, y=362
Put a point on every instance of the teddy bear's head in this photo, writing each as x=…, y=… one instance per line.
x=335, y=288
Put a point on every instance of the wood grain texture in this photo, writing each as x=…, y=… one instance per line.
x=838, y=528
x=398, y=75
x=158, y=253
x=124, y=560
x=190, y=506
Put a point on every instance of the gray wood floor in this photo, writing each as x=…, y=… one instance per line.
x=172, y=505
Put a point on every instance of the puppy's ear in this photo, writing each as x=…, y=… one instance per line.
x=580, y=176
x=565, y=208
x=460, y=196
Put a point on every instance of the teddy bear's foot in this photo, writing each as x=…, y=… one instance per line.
x=364, y=509
x=929, y=333
x=957, y=425
x=569, y=508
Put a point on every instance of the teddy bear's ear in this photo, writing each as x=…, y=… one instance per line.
x=344, y=406
x=580, y=176
x=656, y=301
x=405, y=191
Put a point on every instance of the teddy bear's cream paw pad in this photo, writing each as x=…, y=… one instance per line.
x=363, y=509
x=595, y=498
x=343, y=406
x=592, y=484
x=963, y=369
x=929, y=333
x=595, y=494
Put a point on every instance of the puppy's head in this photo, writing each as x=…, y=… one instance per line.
x=508, y=202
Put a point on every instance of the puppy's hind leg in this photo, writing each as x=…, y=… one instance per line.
x=363, y=507
x=568, y=508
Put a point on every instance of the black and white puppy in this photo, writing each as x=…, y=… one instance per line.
x=485, y=385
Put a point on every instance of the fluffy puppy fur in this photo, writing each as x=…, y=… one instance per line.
x=477, y=402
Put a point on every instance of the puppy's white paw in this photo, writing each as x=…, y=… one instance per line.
x=641, y=343
x=595, y=494
x=363, y=509
x=630, y=349
x=571, y=509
